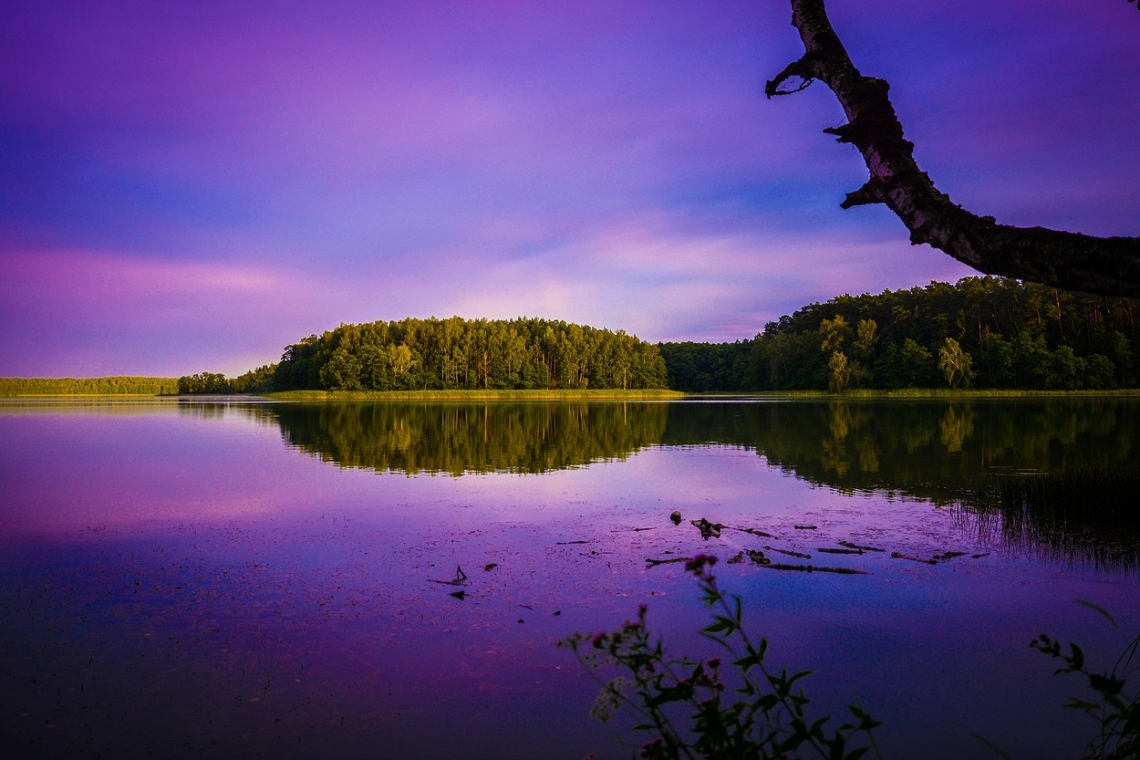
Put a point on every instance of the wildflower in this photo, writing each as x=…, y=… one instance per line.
x=697, y=564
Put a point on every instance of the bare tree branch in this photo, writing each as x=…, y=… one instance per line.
x=1067, y=260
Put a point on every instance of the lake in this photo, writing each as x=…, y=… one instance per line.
x=224, y=577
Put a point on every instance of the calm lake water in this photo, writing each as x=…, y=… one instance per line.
x=220, y=578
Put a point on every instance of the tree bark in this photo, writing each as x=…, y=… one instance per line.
x=1067, y=260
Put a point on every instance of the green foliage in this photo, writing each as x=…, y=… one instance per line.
x=451, y=354
x=1115, y=711
x=956, y=365
x=708, y=367
x=694, y=709
x=68, y=386
x=1009, y=334
x=258, y=380
x=203, y=382
x=838, y=372
x=911, y=366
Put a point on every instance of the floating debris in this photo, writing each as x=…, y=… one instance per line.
x=814, y=569
x=708, y=529
x=949, y=555
x=655, y=562
x=557, y=613
x=827, y=550
x=979, y=556
x=676, y=517
x=850, y=545
x=490, y=566
x=570, y=543
x=912, y=558
x=806, y=527
x=459, y=579
x=632, y=530
x=753, y=531
x=460, y=595
x=758, y=557
x=788, y=552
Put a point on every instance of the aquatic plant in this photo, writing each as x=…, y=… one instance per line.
x=685, y=706
x=1116, y=712
x=1085, y=513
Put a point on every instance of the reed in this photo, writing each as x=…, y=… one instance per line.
x=1086, y=514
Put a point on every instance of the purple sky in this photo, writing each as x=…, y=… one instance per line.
x=192, y=186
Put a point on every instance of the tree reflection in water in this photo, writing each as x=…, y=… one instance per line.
x=963, y=453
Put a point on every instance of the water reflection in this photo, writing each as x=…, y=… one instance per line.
x=943, y=452
x=469, y=438
x=177, y=571
x=927, y=450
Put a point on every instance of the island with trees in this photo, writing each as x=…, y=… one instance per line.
x=454, y=353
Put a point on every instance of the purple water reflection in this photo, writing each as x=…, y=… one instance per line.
x=186, y=585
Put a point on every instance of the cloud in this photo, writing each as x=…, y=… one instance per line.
x=196, y=187
x=105, y=313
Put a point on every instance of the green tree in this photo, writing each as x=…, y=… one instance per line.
x=956, y=364
x=839, y=372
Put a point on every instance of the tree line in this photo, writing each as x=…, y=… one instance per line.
x=983, y=332
x=72, y=386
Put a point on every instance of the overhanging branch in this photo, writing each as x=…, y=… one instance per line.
x=1067, y=260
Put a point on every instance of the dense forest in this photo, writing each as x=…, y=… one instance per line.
x=70, y=386
x=457, y=353
x=983, y=332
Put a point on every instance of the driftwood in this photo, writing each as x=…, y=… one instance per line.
x=949, y=555
x=1066, y=260
x=753, y=531
x=815, y=569
x=655, y=562
x=827, y=550
x=789, y=552
x=912, y=558
x=850, y=545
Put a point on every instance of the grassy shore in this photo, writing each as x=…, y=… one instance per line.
x=935, y=393
x=475, y=395
x=17, y=387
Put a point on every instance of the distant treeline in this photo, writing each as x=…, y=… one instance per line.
x=983, y=332
x=258, y=380
x=59, y=386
